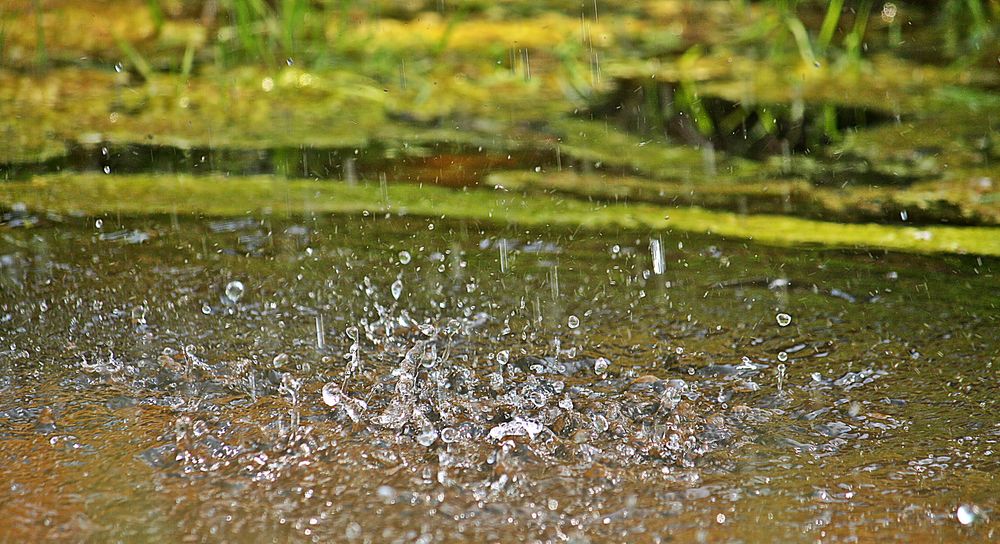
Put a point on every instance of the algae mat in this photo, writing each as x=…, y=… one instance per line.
x=221, y=196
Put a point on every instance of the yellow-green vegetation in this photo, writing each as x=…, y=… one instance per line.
x=847, y=113
x=964, y=197
x=226, y=196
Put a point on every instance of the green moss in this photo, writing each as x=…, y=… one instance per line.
x=222, y=196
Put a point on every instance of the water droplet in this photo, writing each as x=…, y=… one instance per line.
x=404, y=257
x=967, y=514
x=206, y=309
x=566, y=403
x=279, y=360
x=107, y=169
x=99, y=223
x=783, y=319
x=573, y=322
x=119, y=67
x=234, y=291
x=331, y=394
x=721, y=518
x=427, y=329
x=782, y=356
x=427, y=437
x=503, y=357
x=397, y=289
x=601, y=365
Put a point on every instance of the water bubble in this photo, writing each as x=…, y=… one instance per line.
x=404, y=257
x=782, y=356
x=566, y=403
x=99, y=223
x=331, y=394
x=601, y=365
x=573, y=322
x=279, y=360
x=386, y=493
x=427, y=329
x=397, y=289
x=503, y=357
x=234, y=291
x=449, y=435
x=783, y=319
x=206, y=309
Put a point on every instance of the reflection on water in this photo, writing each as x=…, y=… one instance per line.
x=394, y=379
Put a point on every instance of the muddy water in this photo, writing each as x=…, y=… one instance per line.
x=397, y=379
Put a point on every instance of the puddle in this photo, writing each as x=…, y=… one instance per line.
x=357, y=373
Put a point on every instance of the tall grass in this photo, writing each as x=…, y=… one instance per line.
x=266, y=33
x=41, y=54
x=968, y=24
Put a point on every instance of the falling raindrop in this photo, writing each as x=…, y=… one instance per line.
x=404, y=257
x=782, y=356
x=206, y=309
x=234, y=291
x=502, y=245
x=107, y=169
x=781, y=377
x=320, y=333
x=397, y=288
x=656, y=252
x=99, y=223
x=783, y=319
x=573, y=322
